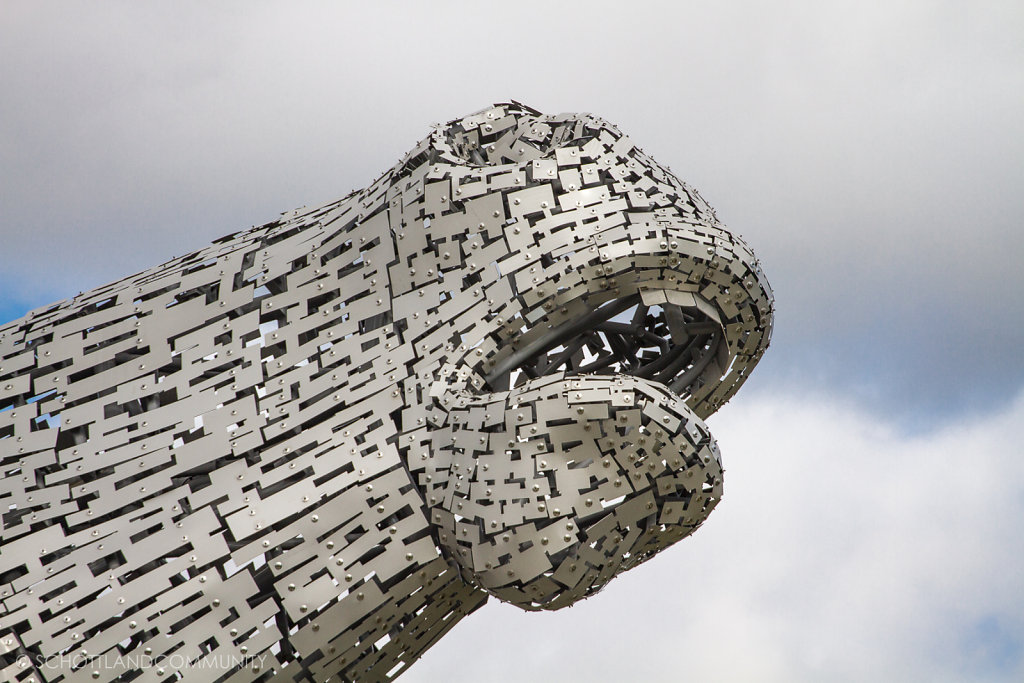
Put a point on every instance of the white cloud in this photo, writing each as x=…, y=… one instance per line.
x=842, y=550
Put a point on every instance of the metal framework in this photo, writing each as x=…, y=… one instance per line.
x=311, y=448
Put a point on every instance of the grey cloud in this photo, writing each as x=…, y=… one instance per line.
x=870, y=153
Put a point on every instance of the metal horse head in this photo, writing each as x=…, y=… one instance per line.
x=313, y=446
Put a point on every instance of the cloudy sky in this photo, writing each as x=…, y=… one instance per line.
x=872, y=153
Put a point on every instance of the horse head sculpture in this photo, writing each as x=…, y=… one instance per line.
x=314, y=446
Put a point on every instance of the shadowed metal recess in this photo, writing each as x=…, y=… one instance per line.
x=311, y=448
x=669, y=345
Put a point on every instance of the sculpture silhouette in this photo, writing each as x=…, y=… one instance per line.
x=312, y=447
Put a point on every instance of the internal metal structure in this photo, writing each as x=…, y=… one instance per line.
x=668, y=344
x=311, y=448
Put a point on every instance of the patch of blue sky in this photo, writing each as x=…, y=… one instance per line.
x=12, y=310
x=993, y=647
x=13, y=307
